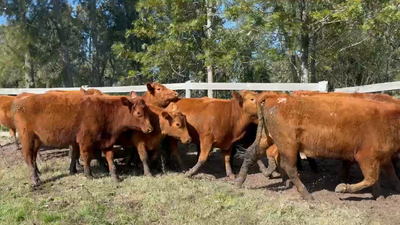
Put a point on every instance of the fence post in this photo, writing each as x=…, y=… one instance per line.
x=188, y=87
x=323, y=86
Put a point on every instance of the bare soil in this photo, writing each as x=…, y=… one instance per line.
x=321, y=185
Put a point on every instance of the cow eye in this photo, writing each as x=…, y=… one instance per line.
x=158, y=89
x=138, y=113
x=178, y=124
x=252, y=99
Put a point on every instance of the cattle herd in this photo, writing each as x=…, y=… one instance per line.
x=362, y=128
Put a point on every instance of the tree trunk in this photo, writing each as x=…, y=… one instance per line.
x=305, y=42
x=66, y=73
x=95, y=44
x=210, y=12
x=29, y=73
x=313, y=77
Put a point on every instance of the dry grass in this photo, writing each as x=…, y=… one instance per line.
x=165, y=199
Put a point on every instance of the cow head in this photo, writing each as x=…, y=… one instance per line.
x=249, y=103
x=139, y=113
x=173, y=124
x=161, y=95
x=90, y=91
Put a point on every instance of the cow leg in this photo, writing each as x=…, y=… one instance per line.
x=173, y=146
x=86, y=154
x=370, y=169
x=298, y=163
x=111, y=165
x=344, y=171
x=271, y=170
x=205, y=148
x=288, y=164
x=28, y=149
x=102, y=163
x=74, y=152
x=313, y=165
x=233, y=153
x=143, y=157
x=198, y=151
x=228, y=168
x=250, y=157
x=13, y=134
x=389, y=168
x=35, y=153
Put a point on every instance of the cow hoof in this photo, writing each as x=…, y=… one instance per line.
x=379, y=198
x=188, y=174
x=308, y=197
x=89, y=177
x=231, y=176
x=239, y=182
x=288, y=183
x=275, y=175
x=148, y=175
x=72, y=173
x=117, y=179
x=341, y=188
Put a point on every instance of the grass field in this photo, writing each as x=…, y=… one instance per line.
x=164, y=199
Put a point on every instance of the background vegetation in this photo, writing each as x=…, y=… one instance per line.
x=123, y=42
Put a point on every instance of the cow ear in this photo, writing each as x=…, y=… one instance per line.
x=133, y=95
x=150, y=87
x=166, y=115
x=125, y=101
x=83, y=91
x=237, y=97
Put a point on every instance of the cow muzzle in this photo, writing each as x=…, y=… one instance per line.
x=187, y=140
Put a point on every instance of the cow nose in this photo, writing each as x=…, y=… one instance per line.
x=189, y=140
x=176, y=94
x=149, y=130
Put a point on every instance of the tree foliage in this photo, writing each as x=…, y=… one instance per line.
x=121, y=42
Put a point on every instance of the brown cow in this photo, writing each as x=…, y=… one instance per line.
x=92, y=122
x=97, y=154
x=159, y=95
x=217, y=123
x=378, y=97
x=90, y=91
x=6, y=116
x=344, y=128
x=165, y=123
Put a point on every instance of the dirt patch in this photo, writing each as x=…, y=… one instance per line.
x=321, y=185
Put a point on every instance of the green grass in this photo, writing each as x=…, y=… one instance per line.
x=3, y=128
x=164, y=199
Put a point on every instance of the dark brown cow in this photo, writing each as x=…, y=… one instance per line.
x=6, y=116
x=346, y=128
x=166, y=123
x=217, y=123
x=92, y=122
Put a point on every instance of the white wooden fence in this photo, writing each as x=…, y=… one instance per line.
x=188, y=86
x=371, y=88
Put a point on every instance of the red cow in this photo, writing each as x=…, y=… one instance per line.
x=344, y=128
x=92, y=122
x=166, y=123
x=217, y=123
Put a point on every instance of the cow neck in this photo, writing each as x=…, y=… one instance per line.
x=119, y=122
x=154, y=116
x=240, y=120
x=151, y=100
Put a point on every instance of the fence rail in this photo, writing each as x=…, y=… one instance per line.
x=371, y=88
x=188, y=86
